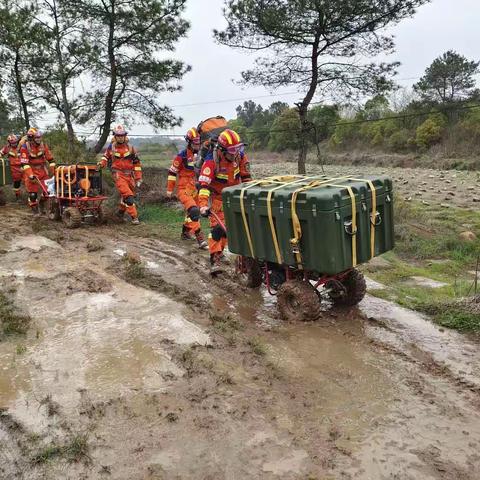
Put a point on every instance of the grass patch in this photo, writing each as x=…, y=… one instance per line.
x=77, y=449
x=12, y=322
x=134, y=268
x=458, y=320
x=428, y=245
x=257, y=346
x=21, y=349
x=463, y=314
x=94, y=246
x=169, y=216
x=225, y=324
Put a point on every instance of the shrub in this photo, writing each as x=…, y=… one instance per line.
x=429, y=132
x=399, y=140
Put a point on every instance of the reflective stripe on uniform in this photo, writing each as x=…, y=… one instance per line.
x=204, y=192
x=172, y=178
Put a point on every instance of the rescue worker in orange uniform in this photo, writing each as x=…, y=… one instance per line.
x=126, y=171
x=183, y=170
x=37, y=165
x=10, y=151
x=224, y=166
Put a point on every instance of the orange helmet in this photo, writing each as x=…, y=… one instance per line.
x=31, y=132
x=12, y=139
x=119, y=130
x=192, y=136
x=230, y=141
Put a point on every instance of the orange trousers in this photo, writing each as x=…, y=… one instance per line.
x=125, y=185
x=188, y=195
x=217, y=239
x=33, y=187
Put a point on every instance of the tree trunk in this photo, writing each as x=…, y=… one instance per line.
x=303, y=108
x=107, y=119
x=302, y=154
x=19, y=89
x=63, y=84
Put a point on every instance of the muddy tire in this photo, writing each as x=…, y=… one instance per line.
x=252, y=272
x=72, y=218
x=53, y=209
x=355, y=289
x=298, y=301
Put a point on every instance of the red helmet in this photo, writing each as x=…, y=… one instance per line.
x=12, y=139
x=192, y=136
x=230, y=141
x=119, y=130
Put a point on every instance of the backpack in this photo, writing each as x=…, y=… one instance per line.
x=209, y=130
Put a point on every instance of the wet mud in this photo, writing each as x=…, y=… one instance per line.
x=167, y=374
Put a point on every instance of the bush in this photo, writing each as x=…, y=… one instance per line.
x=399, y=141
x=284, y=134
x=344, y=133
x=62, y=153
x=430, y=131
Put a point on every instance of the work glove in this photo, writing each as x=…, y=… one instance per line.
x=31, y=177
x=204, y=211
x=169, y=194
x=139, y=183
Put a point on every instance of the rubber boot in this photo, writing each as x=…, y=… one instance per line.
x=186, y=234
x=216, y=266
x=135, y=221
x=202, y=243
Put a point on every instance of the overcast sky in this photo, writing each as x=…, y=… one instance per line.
x=436, y=28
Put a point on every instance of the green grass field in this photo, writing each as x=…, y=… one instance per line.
x=428, y=245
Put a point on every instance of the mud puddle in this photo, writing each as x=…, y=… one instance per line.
x=341, y=398
x=413, y=334
x=108, y=343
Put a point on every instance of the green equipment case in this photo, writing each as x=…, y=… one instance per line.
x=5, y=173
x=325, y=225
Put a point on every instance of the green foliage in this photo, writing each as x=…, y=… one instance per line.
x=323, y=116
x=63, y=152
x=430, y=131
x=399, y=141
x=449, y=78
x=284, y=132
x=345, y=132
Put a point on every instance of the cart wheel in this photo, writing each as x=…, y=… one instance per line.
x=53, y=209
x=298, y=301
x=72, y=218
x=250, y=270
x=354, y=289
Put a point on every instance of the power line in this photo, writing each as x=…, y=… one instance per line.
x=336, y=124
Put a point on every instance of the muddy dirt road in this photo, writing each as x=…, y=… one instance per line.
x=159, y=373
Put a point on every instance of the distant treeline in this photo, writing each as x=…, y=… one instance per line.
x=441, y=112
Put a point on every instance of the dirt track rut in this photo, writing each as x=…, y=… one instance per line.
x=172, y=376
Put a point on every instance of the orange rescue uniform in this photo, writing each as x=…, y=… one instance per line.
x=126, y=171
x=215, y=175
x=36, y=160
x=12, y=154
x=182, y=174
